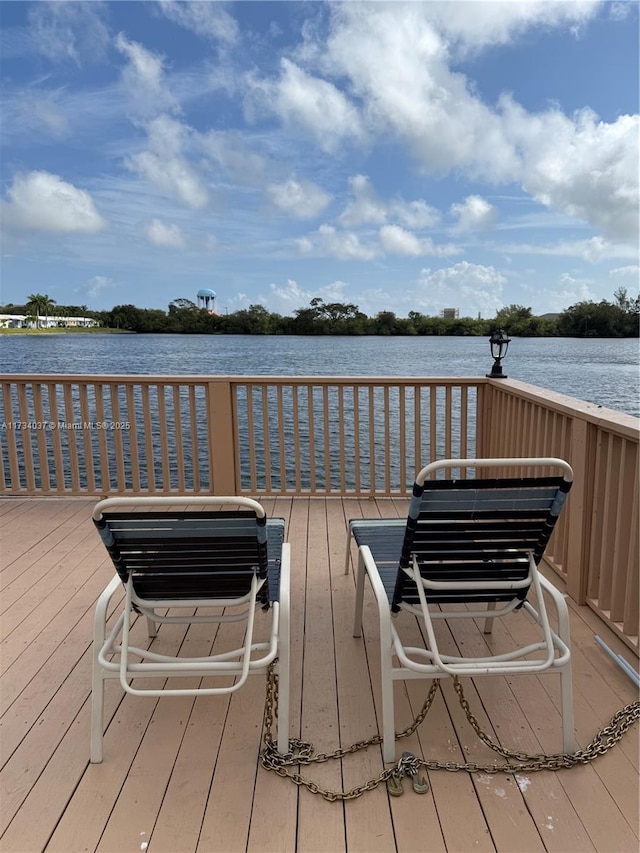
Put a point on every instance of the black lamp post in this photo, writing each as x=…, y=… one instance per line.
x=499, y=343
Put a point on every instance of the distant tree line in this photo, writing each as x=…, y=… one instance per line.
x=617, y=319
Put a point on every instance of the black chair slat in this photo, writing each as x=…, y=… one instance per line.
x=484, y=515
x=219, y=549
x=476, y=571
x=187, y=533
x=456, y=554
x=465, y=596
x=142, y=566
x=482, y=483
x=183, y=555
x=186, y=586
x=460, y=525
x=477, y=526
x=470, y=545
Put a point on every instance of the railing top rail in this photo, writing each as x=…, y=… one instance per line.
x=239, y=379
x=617, y=422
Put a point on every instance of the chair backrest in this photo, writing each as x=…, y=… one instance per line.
x=479, y=531
x=186, y=554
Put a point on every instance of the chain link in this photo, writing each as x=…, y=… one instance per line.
x=301, y=752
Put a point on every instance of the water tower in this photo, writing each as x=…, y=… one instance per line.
x=207, y=300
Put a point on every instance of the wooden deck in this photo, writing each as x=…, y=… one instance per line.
x=183, y=774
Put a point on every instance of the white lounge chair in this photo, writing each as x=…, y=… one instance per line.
x=476, y=542
x=173, y=562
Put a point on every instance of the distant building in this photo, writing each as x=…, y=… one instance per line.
x=207, y=300
x=450, y=313
x=22, y=321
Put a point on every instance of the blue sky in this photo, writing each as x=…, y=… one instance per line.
x=403, y=157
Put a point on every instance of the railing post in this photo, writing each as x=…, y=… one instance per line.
x=579, y=505
x=484, y=411
x=222, y=438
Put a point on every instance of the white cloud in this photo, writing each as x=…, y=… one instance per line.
x=44, y=202
x=98, y=283
x=391, y=239
x=398, y=241
x=475, y=213
x=567, y=291
x=143, y=78
x=301, y=100
x=165, y=165
x=593, y=250
x=286, y=298
x=582, y=166
x=365, y=207
x=68, y=31
x=472, y=288
x=161, y=234
x=471, y=26
x=622, y=272
x=40, y=111
x=396, y=63
x=209, y=20
x=230, y=151
x=299, y=198
x=396, y=60
x=415, y=214
x=305, y=245
x=346, y=245
x=289, y=295
x=619, y=10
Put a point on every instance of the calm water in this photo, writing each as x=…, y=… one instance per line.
x=602, y=371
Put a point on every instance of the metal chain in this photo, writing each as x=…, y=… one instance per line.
x=302, y=752
x=603, y=741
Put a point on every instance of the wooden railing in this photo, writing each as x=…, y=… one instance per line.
x=595, y=545
x=102, y=435
x=364, y=436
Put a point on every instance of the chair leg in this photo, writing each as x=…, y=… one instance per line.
x=566, y=681
x=284, y=652
x=347, y=559
x=152, y=627
x=97, y=678
x=97, y=706
x=283, y=696
x=488, y=622
x=357, y=619
x=388, y=713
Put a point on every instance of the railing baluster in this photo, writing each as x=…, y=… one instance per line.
x=133, y=439
x=266, y=438
x=148, y=438
x=105, y=477
x=179, y=443
x=296, y=461
x=312, y=441
x=41, y=436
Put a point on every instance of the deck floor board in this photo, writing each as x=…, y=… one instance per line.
x=182, y=775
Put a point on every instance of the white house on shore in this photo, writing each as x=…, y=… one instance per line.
x=22, y=321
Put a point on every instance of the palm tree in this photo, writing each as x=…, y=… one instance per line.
x=41, y=304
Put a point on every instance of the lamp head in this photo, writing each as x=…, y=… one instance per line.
x=499, y=343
